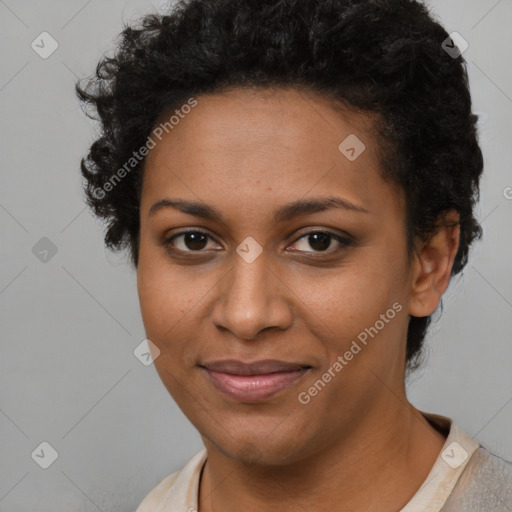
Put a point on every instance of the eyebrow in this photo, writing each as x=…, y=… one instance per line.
x=285, y=212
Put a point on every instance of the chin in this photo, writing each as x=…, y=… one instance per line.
x=252, y=452
x=265, y=446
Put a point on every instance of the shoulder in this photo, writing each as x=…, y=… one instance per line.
x=179, y=488
x=155, y=496
x=485, y=485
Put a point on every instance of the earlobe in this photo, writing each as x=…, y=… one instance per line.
x=432, y=266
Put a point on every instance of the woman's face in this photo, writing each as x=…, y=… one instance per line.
x=263, y=280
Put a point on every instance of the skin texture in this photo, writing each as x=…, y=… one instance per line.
x=358, y=444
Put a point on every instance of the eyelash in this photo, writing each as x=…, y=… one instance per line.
x=343, y=241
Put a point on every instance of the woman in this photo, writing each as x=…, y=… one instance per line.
x=295, y=181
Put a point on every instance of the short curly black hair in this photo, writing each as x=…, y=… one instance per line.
x=387, y=58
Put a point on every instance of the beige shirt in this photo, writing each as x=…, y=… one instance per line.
x=179, y=491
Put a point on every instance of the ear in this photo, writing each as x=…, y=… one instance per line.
x=432, y=265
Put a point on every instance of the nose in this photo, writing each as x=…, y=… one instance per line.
x=252, y=297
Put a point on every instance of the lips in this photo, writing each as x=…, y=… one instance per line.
x=257, y=368
x=253, y=382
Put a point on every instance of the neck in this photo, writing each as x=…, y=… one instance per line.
x=378, y=466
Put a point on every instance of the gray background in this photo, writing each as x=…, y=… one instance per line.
x=68, y=375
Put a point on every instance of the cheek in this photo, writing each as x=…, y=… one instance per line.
x=164, y=295
x=349, y=298
x=163, y=306
x=346, y=305
x=173, y=303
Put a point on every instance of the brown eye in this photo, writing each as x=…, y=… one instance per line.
x=189, y=241
x=320, y=241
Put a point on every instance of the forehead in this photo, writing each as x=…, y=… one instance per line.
x=284, y=143
x=245, y=118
